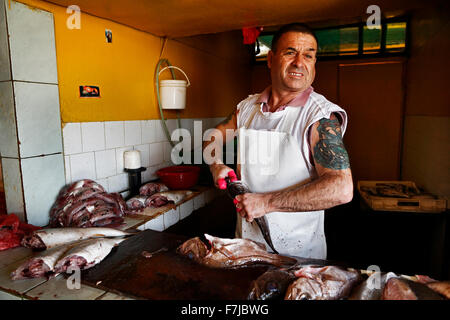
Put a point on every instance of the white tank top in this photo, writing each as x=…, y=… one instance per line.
x=293, y=233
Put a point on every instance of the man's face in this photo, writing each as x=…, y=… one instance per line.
x=292, y=65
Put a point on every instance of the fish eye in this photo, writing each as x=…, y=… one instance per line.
x=304, y=296
x=272, y=286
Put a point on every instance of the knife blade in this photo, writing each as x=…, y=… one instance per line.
x=237, y=187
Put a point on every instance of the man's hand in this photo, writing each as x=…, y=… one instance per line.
x=219, y=173
x=252, y=205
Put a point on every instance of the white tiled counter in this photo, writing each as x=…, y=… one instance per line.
x=57, y=288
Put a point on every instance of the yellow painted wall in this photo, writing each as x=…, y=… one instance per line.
x=124, y=70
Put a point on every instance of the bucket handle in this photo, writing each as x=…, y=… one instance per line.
x=188, y=84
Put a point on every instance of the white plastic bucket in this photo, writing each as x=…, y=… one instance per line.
x=173, y=92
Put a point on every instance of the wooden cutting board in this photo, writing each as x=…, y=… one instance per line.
x=166, y=275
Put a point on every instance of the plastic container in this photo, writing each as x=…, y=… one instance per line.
x=179, y=177
x=173, y=92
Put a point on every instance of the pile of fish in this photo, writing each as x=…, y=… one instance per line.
x=298, y=279
x=230, y=253
x=154, y=195
x=65, y=248
x=311, y=282
x=86, y=203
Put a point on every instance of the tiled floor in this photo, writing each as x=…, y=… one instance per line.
x=59, y=288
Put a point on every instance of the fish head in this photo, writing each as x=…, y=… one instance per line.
x=194, y=249
x=271, y=284
x=304, y=289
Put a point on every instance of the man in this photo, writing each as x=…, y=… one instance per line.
x=307, y=168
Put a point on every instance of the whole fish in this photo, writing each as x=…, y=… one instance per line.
x=441, y=287
x=42, y=264
x=272, y=284
x=322, y=283
x=230, y=253
x=51, y=237
x=151, y=188
x=404, y=289
x=86, y=254
x=175, y=195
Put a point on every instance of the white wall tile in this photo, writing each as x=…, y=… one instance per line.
x=13, y=187
x=188, y=124
x=171, y=124
x=8, y=135
x=148, y=131
x=32, y=43
x=38, y=118
x=133, y=133
x=119, y=158
x=156, y=224
x=114, y=134
x=5, y=68
x=43, y=178
x=151, y=173
x=82, y=166
x=93, y=136
x=144, y=150
x=118, y=183
x=167, y=151
x=67, y=169
x=156, y=153
x=104, y=183
x=199, y=201
x=105, y=163
x=171, y=217
x=72, y=138
x=159, y=131
x=186, y=208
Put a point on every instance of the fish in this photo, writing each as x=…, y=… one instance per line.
x=42, y=264
x=48, y=238
x=230, y=253
x=86, y=254
x=151, y=188
x=404, y=289
x=175, y=195
x=322, y=283
x=136, y=203
x=271, y=285
x=372, y=287
x=441, y=287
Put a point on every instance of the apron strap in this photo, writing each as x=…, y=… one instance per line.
x=255, y=110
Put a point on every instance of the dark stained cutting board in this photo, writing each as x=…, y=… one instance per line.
x=166, y=275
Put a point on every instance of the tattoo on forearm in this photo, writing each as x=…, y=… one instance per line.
x=230, y=116
x=329, y=150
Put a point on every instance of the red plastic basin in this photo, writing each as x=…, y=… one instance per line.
x=179, y=177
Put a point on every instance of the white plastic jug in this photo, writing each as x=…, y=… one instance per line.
x=173, y=92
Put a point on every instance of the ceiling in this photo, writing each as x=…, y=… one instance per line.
x=178, y=18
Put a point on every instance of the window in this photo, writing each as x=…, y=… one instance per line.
x=356, y=40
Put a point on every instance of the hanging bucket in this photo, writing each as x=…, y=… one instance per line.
x=173, y=92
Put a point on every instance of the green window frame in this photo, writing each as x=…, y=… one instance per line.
x=353, y=40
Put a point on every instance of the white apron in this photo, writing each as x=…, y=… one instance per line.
x=271, y=161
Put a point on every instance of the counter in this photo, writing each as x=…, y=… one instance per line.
x=57, y=288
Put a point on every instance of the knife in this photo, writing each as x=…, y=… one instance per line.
x=235, y=187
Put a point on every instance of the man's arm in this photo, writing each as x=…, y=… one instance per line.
x=334, y=185
x=218, y=169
